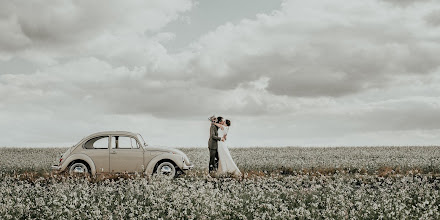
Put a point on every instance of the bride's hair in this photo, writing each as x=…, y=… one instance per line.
x=228, y=122
x=219, y=119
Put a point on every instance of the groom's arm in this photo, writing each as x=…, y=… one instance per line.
x=212, y=132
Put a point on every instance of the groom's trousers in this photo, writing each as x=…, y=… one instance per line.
x=213, y=160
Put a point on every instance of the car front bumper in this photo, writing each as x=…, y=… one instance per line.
x=55, y=168
x=187, y=167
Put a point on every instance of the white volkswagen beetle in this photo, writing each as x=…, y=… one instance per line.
x=121, y=152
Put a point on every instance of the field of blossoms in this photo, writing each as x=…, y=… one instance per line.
x=279, y=183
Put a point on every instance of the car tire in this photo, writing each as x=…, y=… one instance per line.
x=79, y=169
x=166, y=169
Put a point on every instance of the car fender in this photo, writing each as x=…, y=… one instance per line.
x=83, y=157
x=176, y=158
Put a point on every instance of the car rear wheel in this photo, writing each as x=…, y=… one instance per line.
x=79, y=169
x=166, y=169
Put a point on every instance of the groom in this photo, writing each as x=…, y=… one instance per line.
x=213, y=145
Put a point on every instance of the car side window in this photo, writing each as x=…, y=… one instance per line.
x=123, y=142
x=97, y=143
x=134, y=143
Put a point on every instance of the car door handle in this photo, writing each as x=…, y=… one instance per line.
x=113, y=152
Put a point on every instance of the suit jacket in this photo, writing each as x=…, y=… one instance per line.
x=213, y=137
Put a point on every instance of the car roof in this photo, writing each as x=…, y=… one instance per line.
x=113, y=133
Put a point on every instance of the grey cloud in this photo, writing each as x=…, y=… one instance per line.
x=303, y=72
x=331, y=58
x=295, y=58
x=407, y=114
x=95, y=86
x=72, y=29
x=404, y=2
x=185, y=99
x=17, y=66
x=433, y=18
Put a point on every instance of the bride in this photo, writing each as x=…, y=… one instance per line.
x=226, y=164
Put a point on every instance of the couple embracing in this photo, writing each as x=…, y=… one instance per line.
x=220, y=159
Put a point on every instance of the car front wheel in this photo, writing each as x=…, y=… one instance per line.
x=166, y=169
x=78, y=169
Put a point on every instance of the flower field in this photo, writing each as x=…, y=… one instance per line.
x=279, y=183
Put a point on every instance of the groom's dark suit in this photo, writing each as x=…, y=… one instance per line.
x=213, y=146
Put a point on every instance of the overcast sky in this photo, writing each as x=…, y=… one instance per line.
x=286, y=73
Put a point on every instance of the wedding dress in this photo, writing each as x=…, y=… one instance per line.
x=226, y=164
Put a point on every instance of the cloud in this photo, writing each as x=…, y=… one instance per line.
x=303, y=50
x=404, y=3
x=319, y=49
x=311, y=71
x=64, y=29
x=433, y=18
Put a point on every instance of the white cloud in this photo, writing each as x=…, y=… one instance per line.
x=65, y=29
x=313, y=72
x=321, y=48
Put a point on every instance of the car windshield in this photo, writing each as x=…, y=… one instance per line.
x=141, y=139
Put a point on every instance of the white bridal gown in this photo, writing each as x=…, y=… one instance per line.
x=226, y=164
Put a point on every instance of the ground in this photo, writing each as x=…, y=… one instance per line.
x=279, y=183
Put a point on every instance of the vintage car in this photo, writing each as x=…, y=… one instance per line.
x=121, y=152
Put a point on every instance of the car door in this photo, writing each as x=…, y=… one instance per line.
x=97, y=149
x=126, y=155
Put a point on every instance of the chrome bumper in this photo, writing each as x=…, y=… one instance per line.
x=55, y=167
x=187, y=167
